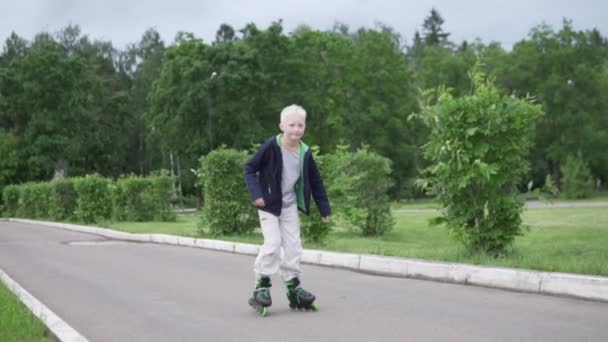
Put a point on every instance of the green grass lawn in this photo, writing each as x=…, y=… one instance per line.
x=424, y=203
x=431, y=203
x=598, y=196
x=571, y=240
x=17, y=323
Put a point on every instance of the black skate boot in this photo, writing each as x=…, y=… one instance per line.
x=261, y=299
x=298, y=297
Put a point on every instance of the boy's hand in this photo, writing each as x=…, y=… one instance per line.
x=325, y=219
x=259, y=203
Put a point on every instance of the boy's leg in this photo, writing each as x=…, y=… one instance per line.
x=268, y=260
x=291, y=242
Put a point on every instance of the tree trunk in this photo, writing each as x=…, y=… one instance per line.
x=179, y=178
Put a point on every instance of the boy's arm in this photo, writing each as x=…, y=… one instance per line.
x=318, y=190
x=251, y=178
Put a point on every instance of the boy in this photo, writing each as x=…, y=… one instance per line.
x=281, y=177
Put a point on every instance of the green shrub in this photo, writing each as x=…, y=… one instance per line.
x=94, y=198
x=358, y=187
x=12, y=196
x=159, y=197
x=26, y=207
x=227, y=208
x=550, y=187
x=34, y=201
x=478, y=146
x=128, y=199
x=576, y=181
x=62, y=206
x=8, y=160
x=312, y=227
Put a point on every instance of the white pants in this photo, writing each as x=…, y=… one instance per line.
x=281, y=232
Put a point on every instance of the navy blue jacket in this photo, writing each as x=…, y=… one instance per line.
x=263, y=174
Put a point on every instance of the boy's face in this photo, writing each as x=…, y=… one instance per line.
x=293, y=127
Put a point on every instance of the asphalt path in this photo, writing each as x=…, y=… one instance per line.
x=111, y=290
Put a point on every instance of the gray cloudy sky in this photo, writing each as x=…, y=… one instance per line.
x=124, y=21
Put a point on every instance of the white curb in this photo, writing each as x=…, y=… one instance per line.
x=579, y=286
x=576, y=286
x=383, y=265
x=54, y=323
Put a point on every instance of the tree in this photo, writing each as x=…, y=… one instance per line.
x=275, y=79
x=322, y=78
x=8, y=161
x=224, y=34
x=12, y=115
x=383, y=97
x=178, y=116
x=52, y=98
x=99, y=109
x=147, y=61
x=565, y=70
x=432, y=30
x=434, y=60
x=65, y=105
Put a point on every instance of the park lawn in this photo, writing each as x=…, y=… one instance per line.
x=597, y=196
x=570, y=240
x=432, y=203
x=17, y=323
x=424, y=203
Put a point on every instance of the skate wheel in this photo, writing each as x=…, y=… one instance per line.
x=264, y=312
x=314, y=307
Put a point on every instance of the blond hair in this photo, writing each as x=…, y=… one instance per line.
x=293, y=110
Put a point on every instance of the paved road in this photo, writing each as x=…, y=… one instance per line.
x=118, y=291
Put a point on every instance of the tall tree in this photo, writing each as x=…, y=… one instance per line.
x=435, y=60
x=12, y=115
x=178, y=112
x=147, y=58
x=384, y=96
x=565, y=70
x=53, y=100
x=224, y=34
x=432, y=30
x=8, y=162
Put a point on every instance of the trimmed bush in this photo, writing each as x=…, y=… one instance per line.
x=35, y=200
x=62, y=206
x=227, y=208
x=11, y=195
x=137, y=198
x=94, y=201
x=128, y=199
x=160, y=195
x=26, y=207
